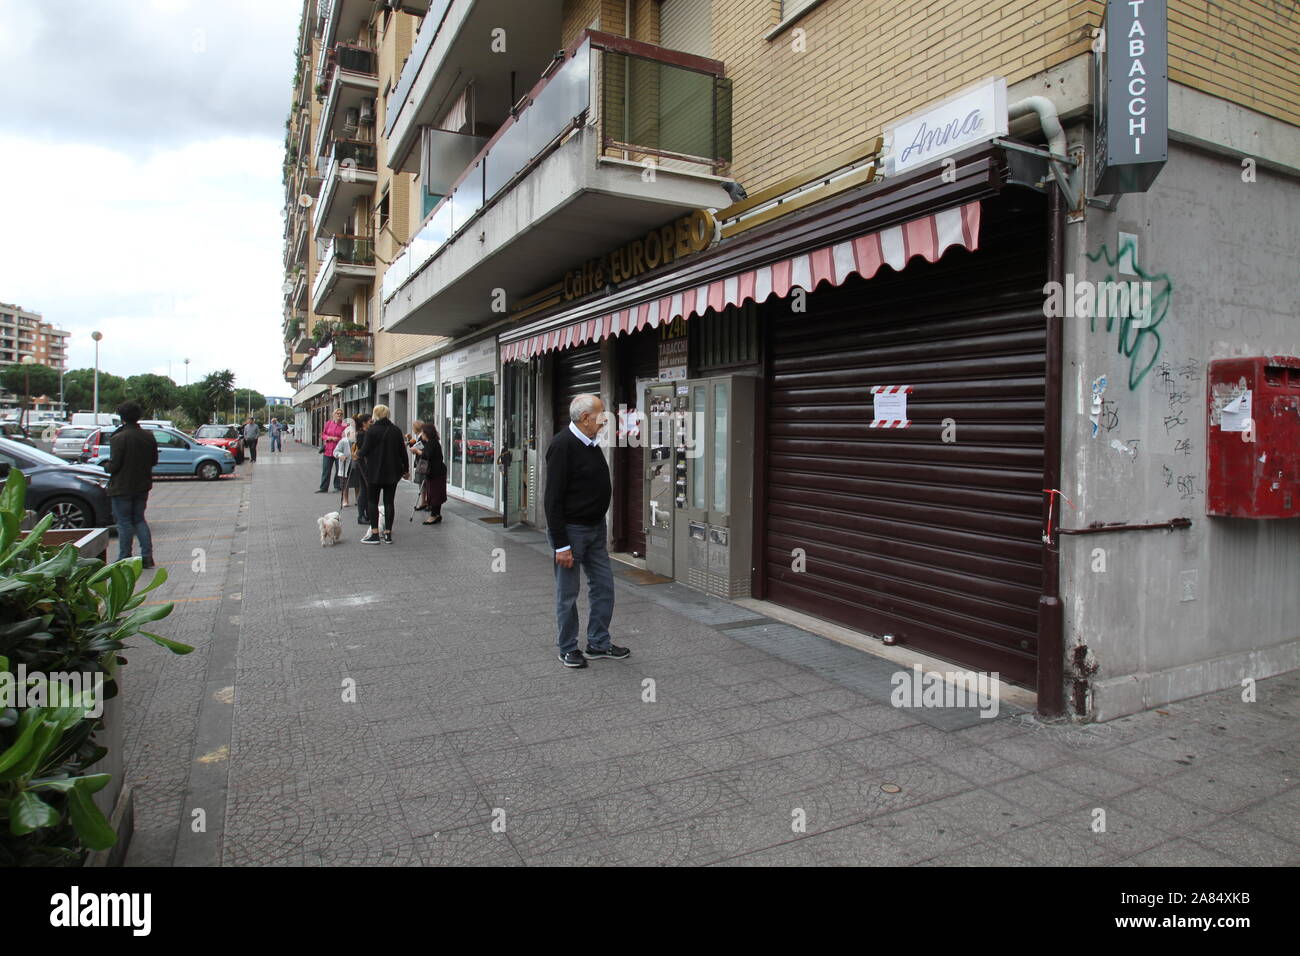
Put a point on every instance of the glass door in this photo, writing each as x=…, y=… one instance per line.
x=453, y=445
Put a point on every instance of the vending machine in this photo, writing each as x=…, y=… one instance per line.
x=699, y=482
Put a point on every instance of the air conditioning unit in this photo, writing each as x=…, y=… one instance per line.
x=350, y=121
x=368, y=113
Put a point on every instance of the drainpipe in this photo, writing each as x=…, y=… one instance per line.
x=1050, y=122
x=1051, y=610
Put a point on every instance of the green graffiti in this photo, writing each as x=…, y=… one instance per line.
x=1141, y=343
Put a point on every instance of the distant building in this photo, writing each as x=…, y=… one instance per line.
x=25, y=333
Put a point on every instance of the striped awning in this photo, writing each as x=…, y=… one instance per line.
x=927, y=236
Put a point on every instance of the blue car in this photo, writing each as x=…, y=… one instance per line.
x=178, y=454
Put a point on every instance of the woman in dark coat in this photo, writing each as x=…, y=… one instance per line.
x=435, y=479
x=384, y=463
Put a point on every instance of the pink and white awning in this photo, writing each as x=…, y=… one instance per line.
x=928, y=236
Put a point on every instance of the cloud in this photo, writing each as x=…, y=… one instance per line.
x=147, y=136
x=142, y=74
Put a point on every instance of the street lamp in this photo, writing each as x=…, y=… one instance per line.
x=187, y=372
x=63, y=406
x=96, y=336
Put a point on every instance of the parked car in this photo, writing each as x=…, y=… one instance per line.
x=75, y=494
x=14, y=432
x=68, y=442
x=222, y=436
x=178, y=454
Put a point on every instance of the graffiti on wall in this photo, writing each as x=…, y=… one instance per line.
x=1179, y=385
x=1138, y=326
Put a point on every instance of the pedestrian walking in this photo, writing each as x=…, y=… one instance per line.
x=343, y=459
x=383, y=462
x=132, y=453
x=435, y=473
x=330, y=436
x=250, y=435
x=276, y=430
x=576, y=500
x=356, y=480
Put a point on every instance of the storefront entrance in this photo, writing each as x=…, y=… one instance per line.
x=468, y=429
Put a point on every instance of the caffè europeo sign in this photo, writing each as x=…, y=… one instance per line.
x=676, y=240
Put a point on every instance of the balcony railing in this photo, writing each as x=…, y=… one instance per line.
x=353, y=250
x=654, y=102
x=429, y=28
x=354, y=347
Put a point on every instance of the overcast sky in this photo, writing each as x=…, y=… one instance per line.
x=141, y=144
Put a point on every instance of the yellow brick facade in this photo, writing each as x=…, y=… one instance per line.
x=847, y=68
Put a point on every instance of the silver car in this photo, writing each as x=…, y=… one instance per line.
x=68, y=442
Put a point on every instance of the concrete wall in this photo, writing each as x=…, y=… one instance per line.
x=1221, y=255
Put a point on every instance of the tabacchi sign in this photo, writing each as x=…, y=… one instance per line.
x=1132, y=90
x=975, y=115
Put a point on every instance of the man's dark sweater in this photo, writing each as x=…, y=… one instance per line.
x=132, y=453
x=577, y=485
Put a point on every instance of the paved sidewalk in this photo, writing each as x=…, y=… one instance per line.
x=468, y=743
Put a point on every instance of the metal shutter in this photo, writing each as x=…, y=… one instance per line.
x=686, y=25
x=577, y=372
x=938, y=543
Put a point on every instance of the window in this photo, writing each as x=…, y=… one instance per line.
x=792, y=8
x=382, y=213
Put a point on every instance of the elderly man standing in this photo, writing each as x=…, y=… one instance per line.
x=250, y=435
x=577, y=497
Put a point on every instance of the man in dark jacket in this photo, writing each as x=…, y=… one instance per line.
x=132, y=453
x=384, y=462
x=577, y=497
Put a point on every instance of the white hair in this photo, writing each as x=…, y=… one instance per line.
x=581, y=405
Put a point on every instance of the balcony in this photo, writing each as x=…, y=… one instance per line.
x=351, y=87
x=348, y=260
x=562, y=181
x=450, y=47
x=351, y=173
x=347, y=356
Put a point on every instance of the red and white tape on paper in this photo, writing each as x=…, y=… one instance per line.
x=902, y=403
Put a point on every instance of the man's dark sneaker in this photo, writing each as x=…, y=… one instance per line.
x=322, y=491
x=573, y=659
x=370, y=538
x=613, y=653
x=146, y=562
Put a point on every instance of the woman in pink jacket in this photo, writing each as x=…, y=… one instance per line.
x=329, y=437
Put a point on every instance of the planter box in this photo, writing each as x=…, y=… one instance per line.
x=90, y=542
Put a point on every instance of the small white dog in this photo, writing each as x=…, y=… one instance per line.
x=331, y=529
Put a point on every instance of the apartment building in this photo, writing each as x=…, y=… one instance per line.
x=24, y=334
x=820, y=259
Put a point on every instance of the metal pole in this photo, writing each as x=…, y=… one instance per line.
x=96, y=336
x=1051, y=611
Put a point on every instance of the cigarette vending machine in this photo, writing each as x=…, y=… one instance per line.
x=699, y=482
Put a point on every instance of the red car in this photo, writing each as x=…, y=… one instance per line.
x=222, y=436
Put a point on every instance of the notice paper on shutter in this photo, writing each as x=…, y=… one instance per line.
x=1236, y=414
x=890, y=406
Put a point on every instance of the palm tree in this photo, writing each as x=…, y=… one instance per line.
x=218, y=389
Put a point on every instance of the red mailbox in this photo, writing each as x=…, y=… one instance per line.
x=1253, y=445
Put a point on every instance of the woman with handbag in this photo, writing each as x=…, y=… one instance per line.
x=434, y=473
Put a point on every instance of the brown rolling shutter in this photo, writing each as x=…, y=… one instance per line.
x=936, y=542
x=577, y=372
x=638, y=359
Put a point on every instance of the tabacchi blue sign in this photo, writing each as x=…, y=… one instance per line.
x=1132, y=96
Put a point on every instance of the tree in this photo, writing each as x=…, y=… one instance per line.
x=157, y=394
x=79, y=390
x=246, y=398
x=218, y=390
x=193, y=402
x=43, y=380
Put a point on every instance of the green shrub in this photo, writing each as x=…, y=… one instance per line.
x=59, y=613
